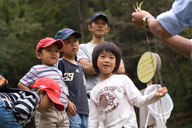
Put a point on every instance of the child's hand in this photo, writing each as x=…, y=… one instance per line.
x=71, y=109
x=161, y=91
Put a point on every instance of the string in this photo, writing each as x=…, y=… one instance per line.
x=158, y=73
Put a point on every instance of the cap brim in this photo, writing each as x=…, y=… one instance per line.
x=75, y=33
x=58, y=42
x=101, y=15
x=58, y=105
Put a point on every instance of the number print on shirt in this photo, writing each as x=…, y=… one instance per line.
x=68, y=76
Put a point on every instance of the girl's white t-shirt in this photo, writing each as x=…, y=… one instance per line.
x=112, y=102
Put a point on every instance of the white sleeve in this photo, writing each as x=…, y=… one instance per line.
x=135, y=97
x=82, y=52
x=93, y=121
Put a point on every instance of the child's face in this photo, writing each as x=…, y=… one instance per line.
x=99, y=27
x=71, y=46
x=106, y=63
x=49, y=55
x=45, y=103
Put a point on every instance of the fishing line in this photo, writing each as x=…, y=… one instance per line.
x=157, y=73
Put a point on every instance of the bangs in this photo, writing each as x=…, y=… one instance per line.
x=107, y=47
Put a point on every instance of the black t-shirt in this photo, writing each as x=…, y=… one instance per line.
x=74, y=78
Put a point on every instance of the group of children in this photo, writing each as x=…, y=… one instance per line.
x=57, y=89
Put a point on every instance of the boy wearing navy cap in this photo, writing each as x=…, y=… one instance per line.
x=73, y=74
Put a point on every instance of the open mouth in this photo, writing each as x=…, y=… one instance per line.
x=106, y=66
x=100, y=30
x=74, y=48
x=53, y=58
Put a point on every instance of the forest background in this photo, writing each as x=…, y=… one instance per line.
x=24, y=22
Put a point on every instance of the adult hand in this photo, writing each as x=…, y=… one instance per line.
x=161, y=91
x=71, y=109
x=137, y=17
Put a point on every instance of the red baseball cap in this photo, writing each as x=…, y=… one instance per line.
x=43, y=43
x=53, y=90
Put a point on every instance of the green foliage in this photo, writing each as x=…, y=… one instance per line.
x=24, y=22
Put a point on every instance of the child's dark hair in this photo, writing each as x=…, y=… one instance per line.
x=40, y=50
x=108, y=47
x=35, y=90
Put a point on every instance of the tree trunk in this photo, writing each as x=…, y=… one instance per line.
x=81, y=18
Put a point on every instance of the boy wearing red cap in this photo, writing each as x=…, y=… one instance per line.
x=19, y=106
x=48, y=51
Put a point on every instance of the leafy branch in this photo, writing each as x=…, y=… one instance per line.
x=138, y=5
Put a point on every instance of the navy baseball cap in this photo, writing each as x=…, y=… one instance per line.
x=99, y=14
x=66, y=33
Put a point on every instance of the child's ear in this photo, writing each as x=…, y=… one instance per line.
x=38, y=55
x=40, y=91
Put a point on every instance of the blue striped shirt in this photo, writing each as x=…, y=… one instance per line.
x=53, y=72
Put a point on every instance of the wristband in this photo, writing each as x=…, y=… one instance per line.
x=145, y=23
